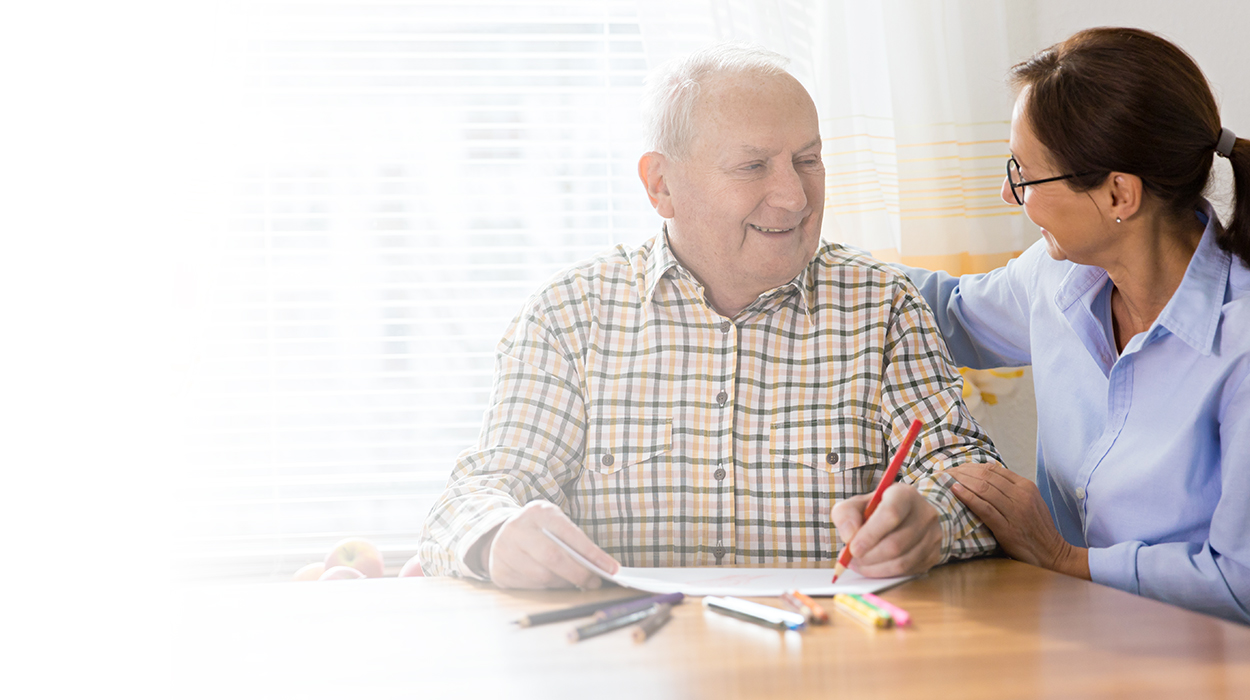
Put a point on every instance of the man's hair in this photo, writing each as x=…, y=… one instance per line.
x=673, y=88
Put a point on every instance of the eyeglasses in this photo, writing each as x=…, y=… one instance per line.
x=1018, y=184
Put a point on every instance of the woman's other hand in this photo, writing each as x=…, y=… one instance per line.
x=1012, y=507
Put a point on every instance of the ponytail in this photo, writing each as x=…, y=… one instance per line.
x=1236, y=236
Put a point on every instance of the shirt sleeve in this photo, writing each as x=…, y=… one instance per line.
x=984, y=318
x=920, y=381
x=532, y=441
x=1211, y=576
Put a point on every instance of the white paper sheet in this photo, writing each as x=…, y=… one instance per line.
x=736, y=581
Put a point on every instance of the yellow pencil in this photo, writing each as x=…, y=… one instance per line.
x=861, y=612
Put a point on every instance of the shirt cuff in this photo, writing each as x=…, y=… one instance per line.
x=490, y=520
x=1115, y=566
x=936, y=490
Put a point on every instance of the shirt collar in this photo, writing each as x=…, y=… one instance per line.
x=1193, y=312
x=662, y=261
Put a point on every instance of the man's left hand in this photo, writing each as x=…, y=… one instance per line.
x=903, y=536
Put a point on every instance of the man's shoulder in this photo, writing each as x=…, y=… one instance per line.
x=838, y=265
x=616, y=274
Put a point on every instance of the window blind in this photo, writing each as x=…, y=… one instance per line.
x=402, y=175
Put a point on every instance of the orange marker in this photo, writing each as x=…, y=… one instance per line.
x=891, y=473
x=798, y=606
x=819, y=616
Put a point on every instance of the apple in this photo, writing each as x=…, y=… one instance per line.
x=358, y=553
x=412, y=568
x=340, y=573
x=309, y=572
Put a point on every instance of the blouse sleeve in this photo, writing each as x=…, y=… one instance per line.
x=984, y=318
x=1211, y=576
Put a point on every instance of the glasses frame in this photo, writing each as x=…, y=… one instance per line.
x=1017, y=188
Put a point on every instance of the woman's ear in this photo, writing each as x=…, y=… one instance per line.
x=653, y=169
x=1126, y=192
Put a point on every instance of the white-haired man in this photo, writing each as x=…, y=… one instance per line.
x=724, y=393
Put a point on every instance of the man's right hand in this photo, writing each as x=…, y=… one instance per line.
x=522, y=556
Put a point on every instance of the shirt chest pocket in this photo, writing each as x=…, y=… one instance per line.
x=613, y=445
x=825, y=442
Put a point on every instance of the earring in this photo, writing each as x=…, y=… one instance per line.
x=1117, y=220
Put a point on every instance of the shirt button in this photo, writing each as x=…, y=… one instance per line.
x=721, y=398
x=719, y=474
x=724, y=326
x=1080, y=493
x=832, y=458
x=607, y=460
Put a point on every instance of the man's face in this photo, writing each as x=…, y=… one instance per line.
x=746, y=202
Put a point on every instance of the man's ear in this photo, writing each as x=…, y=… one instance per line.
x=652, y=169
x=1126, y=192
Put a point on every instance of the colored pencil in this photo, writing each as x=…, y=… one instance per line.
x=887, y=479
x=860, y=611
x=652, y=624
x=574, y=612
x=595, y=629
x=901, y=616
x=819, y=616
x=797, y=606
x=640, y=604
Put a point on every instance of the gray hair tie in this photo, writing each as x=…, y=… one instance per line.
x=1224, y=146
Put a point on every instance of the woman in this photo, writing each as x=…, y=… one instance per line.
x=1134, y=310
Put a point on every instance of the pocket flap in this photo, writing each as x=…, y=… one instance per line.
x=616, y=444
x=826, y=442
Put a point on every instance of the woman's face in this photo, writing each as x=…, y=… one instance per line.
x=1073, y=225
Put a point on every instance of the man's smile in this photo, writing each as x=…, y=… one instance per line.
x=772, y=230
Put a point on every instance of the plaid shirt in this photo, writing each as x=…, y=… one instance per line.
x=674, y=436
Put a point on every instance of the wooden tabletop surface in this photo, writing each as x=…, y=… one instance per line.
x=992, y=628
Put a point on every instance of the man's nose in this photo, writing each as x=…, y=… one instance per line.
x=787, y=190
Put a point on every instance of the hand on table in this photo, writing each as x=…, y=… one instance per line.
x=902, y=537
x=522, y=556
x=1012, y=507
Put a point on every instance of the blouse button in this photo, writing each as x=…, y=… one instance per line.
x=607, y=460
x=719, y=474
x=721, y=398
x=1080, y=493
x=724, y=326
x=832, y=458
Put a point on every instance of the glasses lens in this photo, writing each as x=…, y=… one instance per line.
x=1013, y=178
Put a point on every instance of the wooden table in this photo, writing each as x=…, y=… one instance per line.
x=992, y=628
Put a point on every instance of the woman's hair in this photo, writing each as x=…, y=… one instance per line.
x=672, y=90
x=1125, y=100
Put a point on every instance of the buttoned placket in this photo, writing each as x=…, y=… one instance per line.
x=1082, y=294
x=726, y=343
x=1119, y=402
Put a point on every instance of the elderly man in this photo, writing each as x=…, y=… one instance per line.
x=724, y=393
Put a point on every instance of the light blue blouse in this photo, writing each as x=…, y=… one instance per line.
x=1144, y=456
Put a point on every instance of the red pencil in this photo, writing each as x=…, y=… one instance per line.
x=891, y=473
